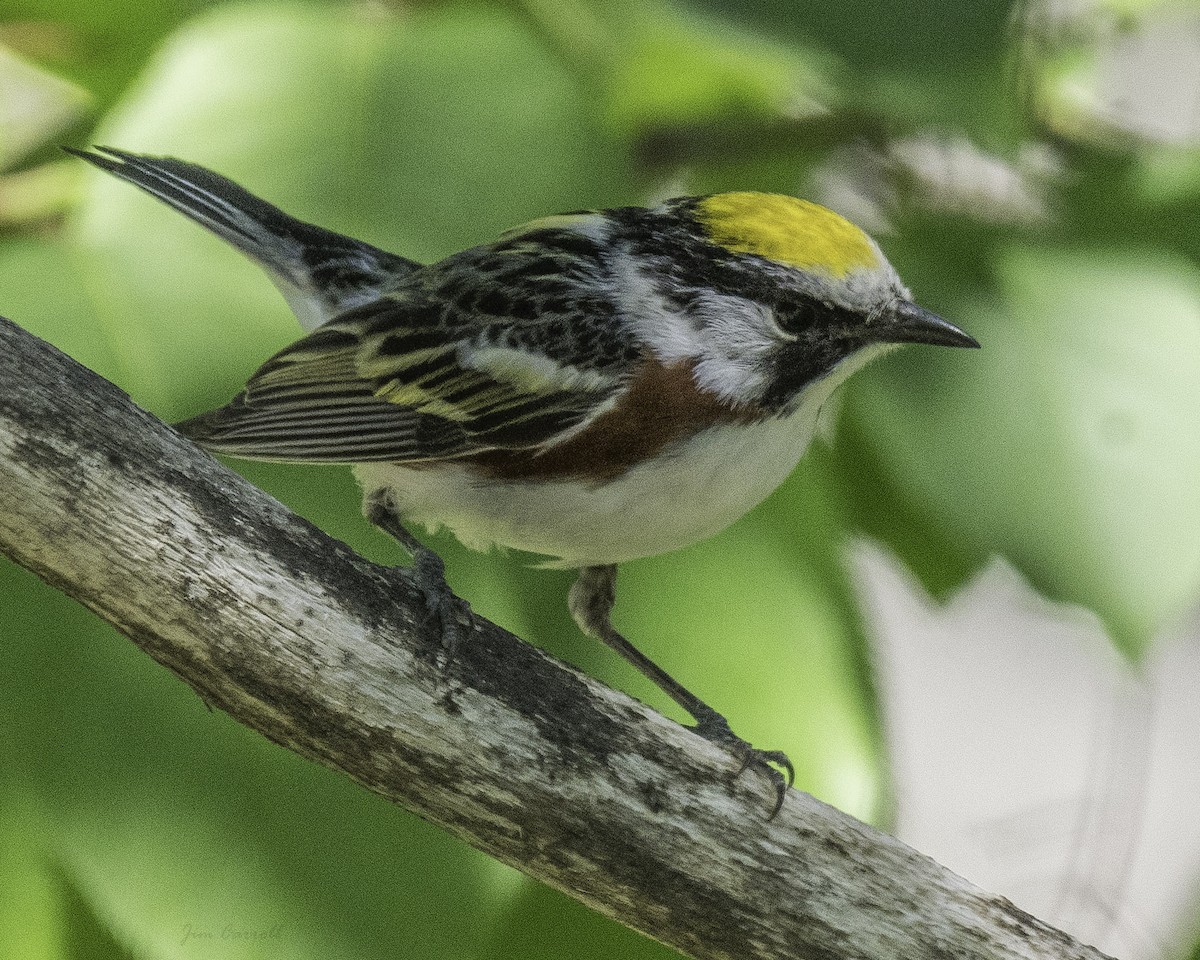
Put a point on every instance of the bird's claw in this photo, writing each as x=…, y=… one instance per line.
x=716, y=730
x=767, y=761
x=443, y=606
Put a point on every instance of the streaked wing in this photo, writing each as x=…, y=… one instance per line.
x=444, y=368
x=318, y=409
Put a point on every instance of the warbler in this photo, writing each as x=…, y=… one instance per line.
x=591, y=387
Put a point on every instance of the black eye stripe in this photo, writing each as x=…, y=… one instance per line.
x=799, y=314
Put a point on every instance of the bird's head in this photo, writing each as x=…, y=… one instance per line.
x=768, y=294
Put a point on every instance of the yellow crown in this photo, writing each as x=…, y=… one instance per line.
x=787, y=230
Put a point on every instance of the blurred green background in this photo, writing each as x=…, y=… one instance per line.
x=1033, y=172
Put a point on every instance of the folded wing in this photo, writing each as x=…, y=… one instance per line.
x=399, y=381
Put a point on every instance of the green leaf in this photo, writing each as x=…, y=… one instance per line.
x=99, y=46
x=36, y=106
x=1067, y=443
x=543, y=920
x=44, y=912
x=41, y=288
x=920, y=36
x=31, y=909
x=88, y=935
x=676, y=71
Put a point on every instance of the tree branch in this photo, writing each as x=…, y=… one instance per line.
x=583, y=788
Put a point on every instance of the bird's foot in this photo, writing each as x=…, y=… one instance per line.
x=428, y=573
x=591, y=602
x=449, y=612
x=772, y=764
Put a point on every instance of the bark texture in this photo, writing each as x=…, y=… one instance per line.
x=330, y=655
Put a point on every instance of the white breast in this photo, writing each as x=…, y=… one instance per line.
x=691, y=491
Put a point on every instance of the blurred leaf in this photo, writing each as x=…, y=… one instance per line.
x=543, y=920
x=36, y=107
x=1084, y=473
x=943, y=62
x=676, y=71
x=1035, y=761
x=1067, y=93
x=176, y=885
x=31, y=908
x=920, y=35
x=683, y=90
x=481, y=130
x=38, y=195
x=87, y=935
x=1121, y=74
x=809, y=518
x=99, y=46
x=1170, y=174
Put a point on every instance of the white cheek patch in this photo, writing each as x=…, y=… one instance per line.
x=671, y=334
x=739, y=337
x=727, y=338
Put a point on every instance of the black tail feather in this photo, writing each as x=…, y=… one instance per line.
x=321, y=273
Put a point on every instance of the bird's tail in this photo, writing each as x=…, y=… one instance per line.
x=320, y=273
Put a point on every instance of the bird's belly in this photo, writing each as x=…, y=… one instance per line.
x=689, y=492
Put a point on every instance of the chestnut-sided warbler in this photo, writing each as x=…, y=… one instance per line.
x=592, y=387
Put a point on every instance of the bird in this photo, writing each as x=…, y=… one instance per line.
x=589, y=388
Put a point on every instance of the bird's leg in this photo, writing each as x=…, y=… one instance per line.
x=591, y=601
x=429, y=572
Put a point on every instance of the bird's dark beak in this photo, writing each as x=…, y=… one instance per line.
x=907, y=323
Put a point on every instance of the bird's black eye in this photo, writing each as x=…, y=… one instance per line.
x=801, y=315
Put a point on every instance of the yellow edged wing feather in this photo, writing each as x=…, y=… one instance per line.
x=345, y=394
